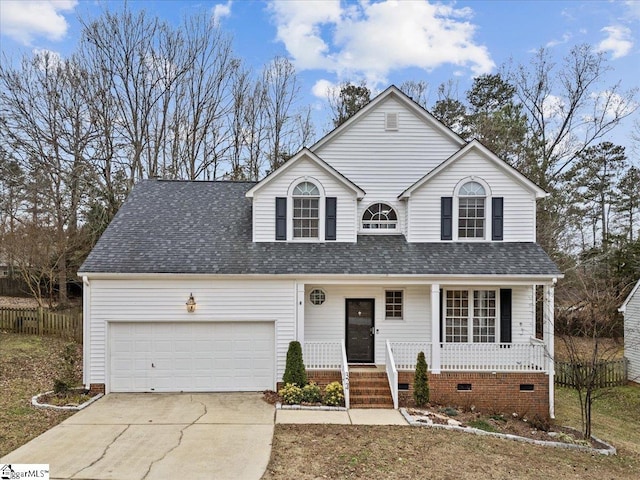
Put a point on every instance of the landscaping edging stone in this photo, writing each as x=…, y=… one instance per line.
x=37, y=404
x=280, y=406
x=610, y=450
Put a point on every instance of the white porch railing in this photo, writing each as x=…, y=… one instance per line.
x=406, y=353
x=392, y=374
x=322, y=355
x=475, y=357
x=345, y=374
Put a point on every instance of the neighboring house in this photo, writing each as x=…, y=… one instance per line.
x=389, y=236
x=631, y=310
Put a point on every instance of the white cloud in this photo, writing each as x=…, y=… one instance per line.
x=370, y=39
x=221, y=10
x=618, y=41
x=323, y=89
x=552, y=106
x=25, y=20
x=565, y=38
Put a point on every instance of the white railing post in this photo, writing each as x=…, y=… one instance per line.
x=345, y=374
x=392, y=374
x=435, y=328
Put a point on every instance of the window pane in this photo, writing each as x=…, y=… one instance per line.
x=456, y=316
x=305, y=217
x=393, y=304
x=379, y=216
x=484, y=316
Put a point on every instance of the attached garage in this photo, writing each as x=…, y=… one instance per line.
x=191, y=357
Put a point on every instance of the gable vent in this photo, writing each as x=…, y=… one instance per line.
x=391, y=121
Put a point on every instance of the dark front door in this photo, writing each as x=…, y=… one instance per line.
x=360, y=330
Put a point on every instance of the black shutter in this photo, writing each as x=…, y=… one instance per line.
x=497, y=223
x=446, y=218
x=505, y=315
x=330, y=223
x=440, y=319
x=281, y=218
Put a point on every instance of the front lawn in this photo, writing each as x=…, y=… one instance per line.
x=364, y=452
x=28, y=366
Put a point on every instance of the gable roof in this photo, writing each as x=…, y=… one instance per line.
x=305, y=153
x=399, y=95
x=629, y=297
x=185, y=227
x=475, y=144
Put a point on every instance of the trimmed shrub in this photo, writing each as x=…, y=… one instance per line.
x=421, y=382
x=333, y=394
x=311, y=393
x=294, y=371
x=291, y=394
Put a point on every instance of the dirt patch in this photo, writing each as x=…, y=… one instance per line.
x=395, y=452
x=72, y=398
x=611, y=348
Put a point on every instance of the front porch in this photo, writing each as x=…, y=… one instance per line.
x=501, y=366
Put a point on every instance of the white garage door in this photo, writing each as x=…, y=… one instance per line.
x=191, y=357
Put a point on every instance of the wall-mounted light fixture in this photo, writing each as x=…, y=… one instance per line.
x=191, y=304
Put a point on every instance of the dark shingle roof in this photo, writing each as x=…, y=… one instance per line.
x=205, y=228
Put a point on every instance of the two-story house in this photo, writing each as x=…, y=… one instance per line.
x=389, y=236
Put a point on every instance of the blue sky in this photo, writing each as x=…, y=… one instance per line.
x=381, y=41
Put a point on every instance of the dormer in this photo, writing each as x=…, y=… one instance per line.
x=305, y=200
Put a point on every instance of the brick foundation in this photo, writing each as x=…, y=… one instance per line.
x=96, y=388
x=490, y=393
x=321, y=377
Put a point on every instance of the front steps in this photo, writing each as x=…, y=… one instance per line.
x=369, y=389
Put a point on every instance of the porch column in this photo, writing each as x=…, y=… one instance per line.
x=548, y=332
x=435, y=328
x=300, y=312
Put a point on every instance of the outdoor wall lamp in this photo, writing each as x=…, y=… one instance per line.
x=191, y=304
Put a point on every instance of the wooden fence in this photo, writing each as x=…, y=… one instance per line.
x=40, y=321
x=612, y=373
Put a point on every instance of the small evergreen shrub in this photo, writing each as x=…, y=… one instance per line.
x=291, y=394
x=333, y=394
x=60, y=386
x=311, y=393
x=294, y=371
x=66, y=378
x=421, y=382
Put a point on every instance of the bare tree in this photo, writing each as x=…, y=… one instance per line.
x=589, y=329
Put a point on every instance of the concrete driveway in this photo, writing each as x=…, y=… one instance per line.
x=158, y=436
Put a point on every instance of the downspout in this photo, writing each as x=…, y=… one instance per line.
x=86, y=320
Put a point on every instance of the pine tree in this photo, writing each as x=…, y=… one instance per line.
x=421, y=382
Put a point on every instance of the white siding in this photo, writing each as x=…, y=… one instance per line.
x=632, y=336
x=164, y=301
x=264, y=203
x=385, y=163
x=519, y=203
x=523, y=325
x=326, y=322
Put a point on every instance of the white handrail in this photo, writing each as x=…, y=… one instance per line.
x=345, y=374
x=392, y=374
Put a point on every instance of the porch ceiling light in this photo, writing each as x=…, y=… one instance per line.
x=191, y=304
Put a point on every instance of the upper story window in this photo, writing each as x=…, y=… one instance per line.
x=379, y=216
x=306, y=210
x=471, y=210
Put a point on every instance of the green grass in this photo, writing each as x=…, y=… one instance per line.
x=28, y=366
x=615, y=415
x=481, y=424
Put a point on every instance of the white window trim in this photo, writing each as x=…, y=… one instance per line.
x=311, y=290
x=470, y=291
x=384, y=304
x=321, y=211
x=380, y=231
x=488, y=213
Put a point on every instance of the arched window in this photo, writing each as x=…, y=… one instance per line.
x=471, y=210
x=306, y=210
x=379, y=216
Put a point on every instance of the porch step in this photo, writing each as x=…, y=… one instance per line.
x=369, y=390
